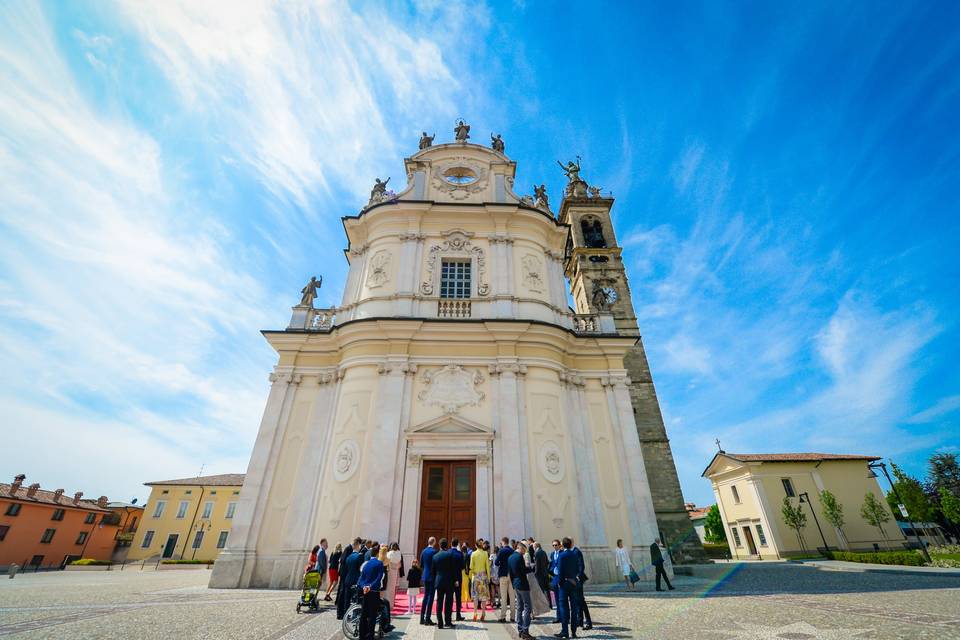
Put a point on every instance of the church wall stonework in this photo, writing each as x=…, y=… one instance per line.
x=536, y=396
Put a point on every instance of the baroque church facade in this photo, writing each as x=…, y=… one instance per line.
x=454, y=392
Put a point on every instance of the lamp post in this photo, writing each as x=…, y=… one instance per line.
x=882, y=466
x=806, y=495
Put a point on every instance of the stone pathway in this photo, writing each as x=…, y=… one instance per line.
x=775, y=601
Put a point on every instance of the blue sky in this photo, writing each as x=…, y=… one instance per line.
x=786, y=181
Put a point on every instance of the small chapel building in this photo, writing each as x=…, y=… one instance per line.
x=454, y=392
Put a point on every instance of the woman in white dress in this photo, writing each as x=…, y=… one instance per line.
x=392, y=565
x=623, y=563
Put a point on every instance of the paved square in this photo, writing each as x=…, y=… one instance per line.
x=749, y=601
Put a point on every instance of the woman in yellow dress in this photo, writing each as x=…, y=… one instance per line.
x=480, y=579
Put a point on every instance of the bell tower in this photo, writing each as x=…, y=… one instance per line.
x=598, y=284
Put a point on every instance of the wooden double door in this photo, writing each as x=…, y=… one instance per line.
x=448, y=500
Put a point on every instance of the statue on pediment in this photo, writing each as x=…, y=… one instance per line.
x=461, y=131
x=540, y=197
x=496, y=143
x=426, y=141
x=309, y=293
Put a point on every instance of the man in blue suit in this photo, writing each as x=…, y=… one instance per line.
x=583, y=619
x=459, y=560
x=568, y=581
x=554, y=578
x=518, y=570
x=445, y=576
x=353, y=574
x=369, y=583
x=426, y=566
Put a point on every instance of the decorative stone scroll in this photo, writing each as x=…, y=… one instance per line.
x=379, y=273
x=457, y=243
x=452, y=387
x=550, y=461
x=346, y=460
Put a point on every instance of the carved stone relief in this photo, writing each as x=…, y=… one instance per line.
x=346, y=460
x=474, y=180
x=550, y=461
x=457, y=243
x=379, y=273
x=555, y=512
x=532, y=273
x=452, y=387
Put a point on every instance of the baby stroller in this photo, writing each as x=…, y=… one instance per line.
x=309, y=595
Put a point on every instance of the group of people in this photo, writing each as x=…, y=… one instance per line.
x=519, y=577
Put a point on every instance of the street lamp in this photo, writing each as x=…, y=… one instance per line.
x=806, y=495
x=880, y=465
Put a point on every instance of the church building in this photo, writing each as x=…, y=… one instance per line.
x=454, y=392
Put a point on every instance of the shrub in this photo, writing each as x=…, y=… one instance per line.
x=84, y=562
x=716, y=551
x=910, y=558
x=187, y=562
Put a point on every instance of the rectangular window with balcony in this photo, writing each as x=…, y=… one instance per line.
x=736, y=536
x=13, y=509
x=788, y=487
x=222, y=540
x=47, y=536
x=736, y=494
x=231, y=507
x=207, y=510
x=762, y=538
x=57, y=514
x=147, y=540
x=158, y=510
x=3, y=531
x=198, y=539
x=455, y=279
x=182, y=510
x=91, y=517
x=82, y=537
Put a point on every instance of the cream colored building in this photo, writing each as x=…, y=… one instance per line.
x=187, y=519
x=750, y=488
x=454, y=392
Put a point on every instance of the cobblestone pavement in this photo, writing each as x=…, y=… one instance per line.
x=782, y=601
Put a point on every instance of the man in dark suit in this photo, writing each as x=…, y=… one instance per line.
x=343, y=596
x=369, y=581
x=503, y=577
x=354, y=562
x=554, y=577
x=583, y=619
x=657, y=559
x=426, y=565
x=445, y=575
x=541, y=565
x=518, y=570
x=459, y=561
x=568, y=585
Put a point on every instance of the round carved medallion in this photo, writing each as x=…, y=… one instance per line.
x=346, y=460
x=550, y=461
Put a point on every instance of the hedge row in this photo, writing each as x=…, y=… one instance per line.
x=716, y=551
x=911, y=558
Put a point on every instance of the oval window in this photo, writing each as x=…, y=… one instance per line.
x=459, y=176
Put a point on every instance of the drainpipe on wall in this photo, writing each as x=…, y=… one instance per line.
x=192, y=521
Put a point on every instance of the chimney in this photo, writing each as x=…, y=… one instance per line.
x=17, y=481
x=77, y=496
x=102, y=501
x=57, y=494
x=32, y=489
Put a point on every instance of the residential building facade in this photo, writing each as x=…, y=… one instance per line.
x=187, y=519
x=48, y=529
x=750, y=489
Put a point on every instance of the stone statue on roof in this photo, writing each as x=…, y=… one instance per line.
x=461, y=131
x=540, y=197
x=379, y=191
x=309, y=292
x=576, y=187
x=496, y=142
x=426, y=141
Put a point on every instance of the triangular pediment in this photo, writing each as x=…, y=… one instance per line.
x=450, y=424
x=721, y=464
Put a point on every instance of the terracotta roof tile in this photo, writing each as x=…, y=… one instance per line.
x=222, y=480
x=42, y=496
x=795, y=457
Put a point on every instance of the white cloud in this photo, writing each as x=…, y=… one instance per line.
x=943, y=407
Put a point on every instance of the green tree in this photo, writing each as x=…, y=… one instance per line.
x=833, y=512
x=950, y=506
x=713, y=528
x=795, y=518
x=873, y=511
x=914, y=498
x=944, y=473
